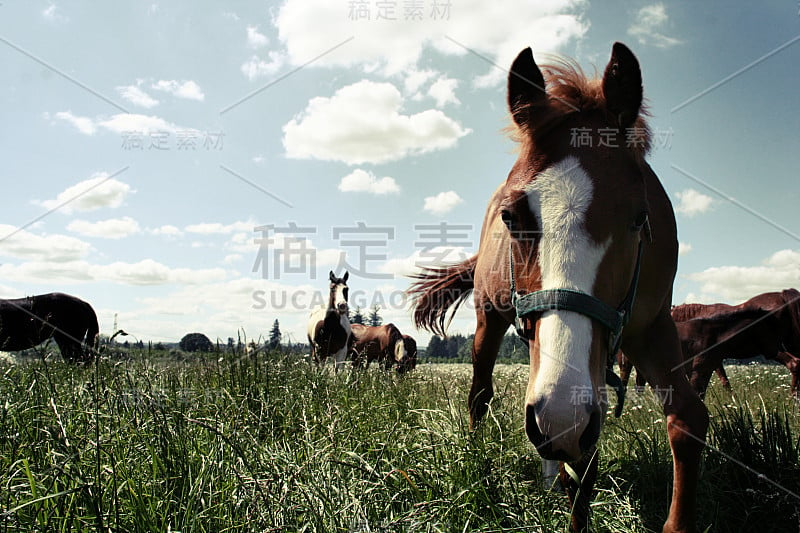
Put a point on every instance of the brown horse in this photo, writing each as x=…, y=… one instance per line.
x=783, y=323
x=71, y=322
x=785, y=305
x=565, y=247
x=329, y=328
x=379, y=343
x=739, y=334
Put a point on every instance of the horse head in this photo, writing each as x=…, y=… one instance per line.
x=338, y=294
x=574, y=206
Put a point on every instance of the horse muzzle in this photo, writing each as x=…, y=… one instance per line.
x=568, y=444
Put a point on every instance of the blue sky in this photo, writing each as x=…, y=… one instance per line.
x=144, y=142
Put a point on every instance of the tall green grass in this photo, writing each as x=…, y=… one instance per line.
x=274, y=444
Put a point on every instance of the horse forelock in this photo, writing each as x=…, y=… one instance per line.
x=571, y=92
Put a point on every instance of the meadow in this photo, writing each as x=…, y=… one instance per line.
x=226, y=442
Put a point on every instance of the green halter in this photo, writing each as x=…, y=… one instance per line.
x=613, y=319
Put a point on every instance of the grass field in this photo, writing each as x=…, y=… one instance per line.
x=234, y=444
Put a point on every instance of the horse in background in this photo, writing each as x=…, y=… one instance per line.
x=71, y=322
x=411, y=349
x=384, y=344
x=783, y=305
x=566, y=255
x=739, y=334
x=329, y=331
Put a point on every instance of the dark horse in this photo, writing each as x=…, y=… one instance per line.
x=328, y=327
x=784, y=305
x=384, y=344
x=71, y=322
x=737, y=334
x=411, y=349
x=565, y=246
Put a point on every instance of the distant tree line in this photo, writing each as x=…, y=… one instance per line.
x=372, y=319
x=458, y=349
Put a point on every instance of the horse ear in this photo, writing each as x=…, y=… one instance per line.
x=622, y=85
x=332, y=277
x=525, y=87
x=346, y=275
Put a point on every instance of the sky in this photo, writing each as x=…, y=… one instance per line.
x=202, y=166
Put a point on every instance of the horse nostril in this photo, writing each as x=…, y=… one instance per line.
x=535, y=435
x=591, y=433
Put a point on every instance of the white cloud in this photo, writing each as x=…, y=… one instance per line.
x=128, y=122
x=684, y=248
x=113, y=228
x=84, y=124
x=97, y=192
x=189, y=90
x=443, y=91
x=648, y=26
x=25, y=245
x=136, y=96
x=216, y=228
x=498, y=29
x=735, y=284
x=141, y=273
x=363, y=123
x=256, y=67
x=120, y=123
x=150, y=272
x=692, y=202
x=363, y=181
x=442, y=203
x=167, y=230
x=52, y=13
x=413, y=80
x=255, y=39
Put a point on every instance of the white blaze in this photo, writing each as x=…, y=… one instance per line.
x=568, y=258
x=399, y=351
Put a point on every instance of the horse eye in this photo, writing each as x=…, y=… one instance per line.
x=505, y=214
x=641, y=220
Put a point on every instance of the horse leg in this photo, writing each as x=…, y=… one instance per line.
x=625, y=367
x=488, y=336
x=640, y=382
x=656, y=352
x=792, y=363
x=339, y=358
x=700, y=376
x=70, y=349
x=578, y=479
x=723, y=377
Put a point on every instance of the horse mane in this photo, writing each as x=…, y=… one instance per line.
x=394, y=333
x=681, y=313
x=570, y=91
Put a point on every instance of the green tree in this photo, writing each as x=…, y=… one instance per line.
x=357, y=317
x=374, y=316
x=435, y=348
x=275, y=335
x=196, y=342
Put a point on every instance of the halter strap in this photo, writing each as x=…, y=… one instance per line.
x=613, y=319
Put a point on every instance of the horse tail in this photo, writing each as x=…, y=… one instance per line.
x=438, y=290
x=92, y=331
